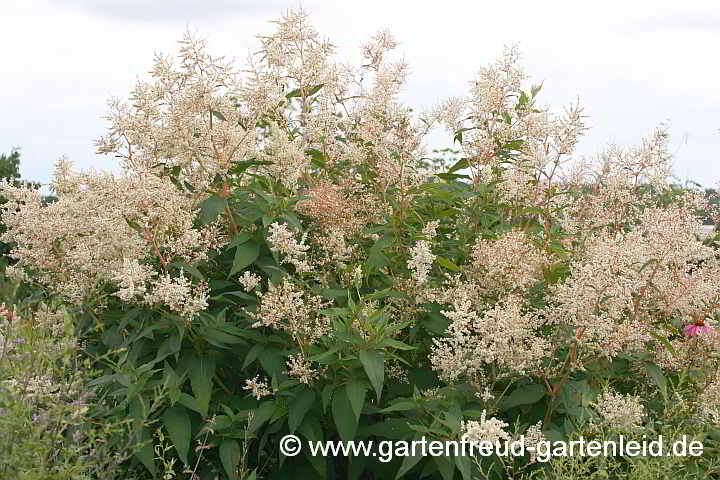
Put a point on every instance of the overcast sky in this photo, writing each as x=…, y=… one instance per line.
x=633, y=64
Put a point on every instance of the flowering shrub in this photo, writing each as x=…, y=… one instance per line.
x=280, y=256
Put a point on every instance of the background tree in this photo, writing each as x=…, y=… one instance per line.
x=10, y=166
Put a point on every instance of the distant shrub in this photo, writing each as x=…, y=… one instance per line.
x=48, y=411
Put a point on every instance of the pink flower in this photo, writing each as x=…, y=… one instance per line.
x=695, y=330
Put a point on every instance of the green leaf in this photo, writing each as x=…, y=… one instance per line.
x=317, y=157
x=218, y=337
x=407, y=464
x=458, y=137
x=436, y=323
x=450, y=176
x=390, y=342
x=245, y=254
x=171, y=382
x=211, y=208
x=376, y=258
x=522, y=101
x=272, y=361
x=446, y=467
x=343, y=415
x=177, y=423
x=218, y=115
x=356, y=395
x=535, y=89
x=332, y=293
x=305, y=91
x=312, y=429
x=326, y=395
x=145, y=451
x=444, y=262
x=252, y=476
x=252, y=355
x=201, y=372
x=190, y=402
x=222, y=422
x=374, y=364
x=137, y=412
x=267, y=220
x=230, y=455
x=298, y=408
x=191, y=269
x=463, y=464
x=392, y=428
x=262, y=414
x=238, y=239
x=453, y=416
x=133, y=224
x=400, y=406
x=657, y=377
x=459, y=165
x=268, y=265
x=525, y=395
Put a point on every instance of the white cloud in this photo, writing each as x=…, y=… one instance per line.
x=172, y=10
x=61, y=60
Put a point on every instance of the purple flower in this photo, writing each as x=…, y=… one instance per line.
x=694, y=330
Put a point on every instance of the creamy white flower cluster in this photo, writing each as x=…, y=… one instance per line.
x=300, y=368
x=421, y=256
x=504, y=335
x=486, y=430
x=508, y=263
x=137, y=283
x=257, y=387
x=249, y=281
x=286, y=307
x=709, y=402
x=495, y=113
x=121, y=231
x=621, y=280
x=198, y=113
x=622, y=412
x=283, y=241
